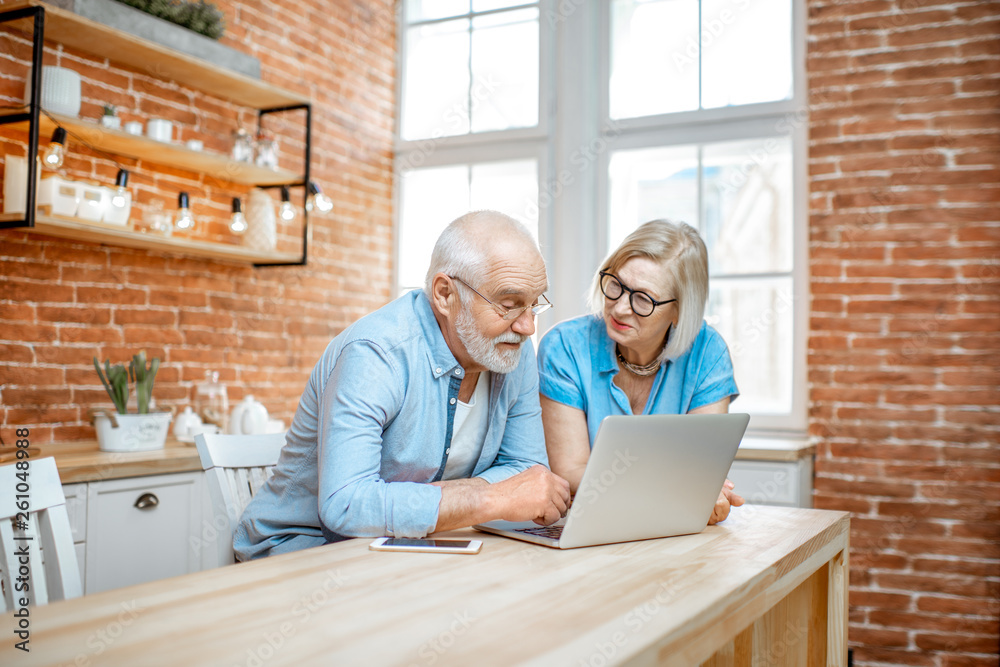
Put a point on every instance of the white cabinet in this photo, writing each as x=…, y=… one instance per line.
x=770, y=472
x=138, y=529
x=76, y=508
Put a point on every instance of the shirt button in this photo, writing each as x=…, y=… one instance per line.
x=452, y=401
x=448, y=451
x=458, y=371
x=437, y=370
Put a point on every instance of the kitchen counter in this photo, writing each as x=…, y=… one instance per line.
x=83, y=461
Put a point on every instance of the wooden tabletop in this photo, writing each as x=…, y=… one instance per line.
x=514, y=603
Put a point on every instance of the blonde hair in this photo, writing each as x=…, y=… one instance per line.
x=681, y=251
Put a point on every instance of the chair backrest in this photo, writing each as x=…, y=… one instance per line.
x=35, y=534
x=236, y=466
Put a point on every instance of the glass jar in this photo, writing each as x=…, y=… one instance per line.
x=211, y=402
x=154, y=220
x=267, y=151
x=242, y=146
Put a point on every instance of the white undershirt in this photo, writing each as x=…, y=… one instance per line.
x=468, y=431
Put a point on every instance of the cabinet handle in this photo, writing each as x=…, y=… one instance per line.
x=146, y=501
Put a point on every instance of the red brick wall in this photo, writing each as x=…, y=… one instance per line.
x=62, y=302
x=904, y=352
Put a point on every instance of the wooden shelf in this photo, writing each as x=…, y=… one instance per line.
x=157, y=61
x=213, y=165
x=96, y=232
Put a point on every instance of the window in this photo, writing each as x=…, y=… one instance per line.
x=585, y=119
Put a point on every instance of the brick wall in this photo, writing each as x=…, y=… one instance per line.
x=903, y=354
x=63, y=302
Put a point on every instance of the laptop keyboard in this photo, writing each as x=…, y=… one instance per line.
x=551, y=532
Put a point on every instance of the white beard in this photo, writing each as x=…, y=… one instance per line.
x=483, y=350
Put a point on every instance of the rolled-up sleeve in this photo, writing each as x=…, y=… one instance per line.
x=361, y=396
x=559, y=371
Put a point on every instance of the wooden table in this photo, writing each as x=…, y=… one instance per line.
x=766, y=587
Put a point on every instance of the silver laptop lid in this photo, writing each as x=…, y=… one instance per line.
x=652, y=476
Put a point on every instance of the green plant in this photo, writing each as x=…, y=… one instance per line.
x=116, y=379
x=201, y=17
x=109, y=110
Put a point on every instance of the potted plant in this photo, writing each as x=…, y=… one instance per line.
x=120, y=431
x=110, y=118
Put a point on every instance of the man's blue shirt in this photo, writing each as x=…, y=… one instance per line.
x=577, y=363
x=372, y=430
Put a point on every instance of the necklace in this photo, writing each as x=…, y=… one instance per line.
x=635, y=369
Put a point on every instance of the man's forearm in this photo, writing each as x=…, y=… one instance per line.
x=464, y=502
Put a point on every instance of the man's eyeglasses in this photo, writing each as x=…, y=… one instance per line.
x=642, y=304
x=506, y=313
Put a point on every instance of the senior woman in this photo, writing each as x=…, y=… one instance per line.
x=646, y=349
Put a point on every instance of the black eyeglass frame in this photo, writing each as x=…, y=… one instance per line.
x=503, y=311
x=631, y=294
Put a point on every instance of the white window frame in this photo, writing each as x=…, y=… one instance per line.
x=576, y=189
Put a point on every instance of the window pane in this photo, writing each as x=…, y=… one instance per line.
x=652, y=183
x=747, y=221
x=487, y=5
x=436, y=80
x=505, y=70
x=755, y=318
x=423, y=10
x=509, y=187
x=746, y=52
x=429, y=200
x=654, y=57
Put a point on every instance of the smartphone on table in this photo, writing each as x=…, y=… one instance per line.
x=427, y=545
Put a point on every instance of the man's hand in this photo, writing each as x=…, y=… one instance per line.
x=533, y=495
x=727, y=500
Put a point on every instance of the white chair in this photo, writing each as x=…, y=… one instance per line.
x=42, y=529
x=236, y=466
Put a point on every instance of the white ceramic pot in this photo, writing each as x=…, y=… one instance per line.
x=131, y=432
x=262, y=230
x=60, y=91
x=249, y=417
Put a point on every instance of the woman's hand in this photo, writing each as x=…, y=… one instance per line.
x=727, y=500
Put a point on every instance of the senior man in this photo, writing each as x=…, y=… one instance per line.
x=422, y=416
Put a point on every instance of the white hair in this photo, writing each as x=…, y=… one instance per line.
x=462, y=250
x=678, y=248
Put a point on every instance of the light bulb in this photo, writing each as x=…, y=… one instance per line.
x=237, y=223
x=120, y=197
x=318, y=200
x=286, y=210
x=53, y=158
x=184, y=218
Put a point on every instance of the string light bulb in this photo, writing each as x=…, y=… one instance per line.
x=184, y=218
x=286, y=211
x=318, y=200
x=120, y=197
x=53, y=158
x=238, y=222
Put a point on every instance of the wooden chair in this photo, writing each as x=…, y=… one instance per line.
x=236, y=466
x=44, y=531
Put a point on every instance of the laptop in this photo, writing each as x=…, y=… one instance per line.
x=648, y=476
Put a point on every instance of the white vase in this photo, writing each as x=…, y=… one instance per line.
x=262, y=224
x=60, y=91
x=131, y=432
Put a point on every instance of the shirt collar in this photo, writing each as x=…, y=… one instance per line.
x=439, y=356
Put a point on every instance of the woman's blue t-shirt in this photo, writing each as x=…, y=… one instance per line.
x=577, y=363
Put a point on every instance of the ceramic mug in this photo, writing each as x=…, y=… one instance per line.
x=160, y=129
x=134, y=127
